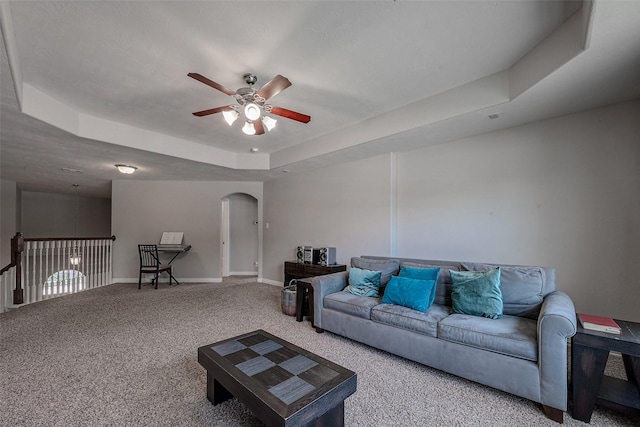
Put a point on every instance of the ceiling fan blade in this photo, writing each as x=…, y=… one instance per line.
x=274, y=87
x=257, y=125
x=212, y=111
x=288, y=114
x=211, y=83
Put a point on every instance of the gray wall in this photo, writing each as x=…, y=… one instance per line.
x=243, y=234
x=345, y=206
x=52, y=215
x=561, y=193
x=142, y=210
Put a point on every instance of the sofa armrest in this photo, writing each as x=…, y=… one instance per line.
x=556, y=324
x=323, y=286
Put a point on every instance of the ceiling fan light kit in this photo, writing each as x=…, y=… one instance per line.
x=269, y=122
x=230, y=116
x=248, y=128
x=252, y=111
x=252, y=103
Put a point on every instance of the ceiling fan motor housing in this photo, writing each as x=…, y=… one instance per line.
x=250, y=79
x=245, y=95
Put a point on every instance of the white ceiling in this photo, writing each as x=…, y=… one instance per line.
x=104, y=82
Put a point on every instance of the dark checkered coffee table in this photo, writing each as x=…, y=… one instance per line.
x=282, y=384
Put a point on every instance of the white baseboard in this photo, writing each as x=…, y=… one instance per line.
x=166, y=280
x=243, y=273
x=270, y=282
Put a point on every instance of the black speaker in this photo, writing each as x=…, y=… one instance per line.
x=300, y=253
x=311, y=255
x=327, y=256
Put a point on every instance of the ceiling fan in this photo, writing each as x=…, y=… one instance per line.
x=252, y=103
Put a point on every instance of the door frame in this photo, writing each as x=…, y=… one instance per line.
x=224, y=238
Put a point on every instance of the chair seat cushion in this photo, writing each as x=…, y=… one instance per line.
x=161, y=267
x=509, y=335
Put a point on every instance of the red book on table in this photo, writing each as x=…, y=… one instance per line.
x=598, y=323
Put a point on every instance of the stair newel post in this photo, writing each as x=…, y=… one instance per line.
x=17, y=246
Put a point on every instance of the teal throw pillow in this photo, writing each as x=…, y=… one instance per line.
x=363, y=282
x=422, y=274
x=407, y=292
x=477, y=293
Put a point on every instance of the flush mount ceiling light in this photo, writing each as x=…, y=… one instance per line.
x=252, y=103
x=126, y=169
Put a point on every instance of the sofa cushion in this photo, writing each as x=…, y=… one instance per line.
x=388, y=267
x=443, y=286
x=477, y=293
x=411, y=320
x=411, y=293
x=522, y=287
x=363, y=282
x=348, y=303
x=510, y=335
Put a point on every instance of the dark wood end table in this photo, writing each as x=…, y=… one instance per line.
x=304, y=305
x=589, y=353
x=282, y=384
x=299, y=270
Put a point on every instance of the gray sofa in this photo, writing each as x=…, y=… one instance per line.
x=524, y=352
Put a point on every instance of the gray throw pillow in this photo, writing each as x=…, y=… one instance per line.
x=388, y=267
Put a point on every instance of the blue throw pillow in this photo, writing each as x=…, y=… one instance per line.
x=363, y=282
x=411, y=293
x=477, y=293
x=422, y=274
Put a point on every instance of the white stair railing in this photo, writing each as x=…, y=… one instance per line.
x=53, y=267
x=7, y=285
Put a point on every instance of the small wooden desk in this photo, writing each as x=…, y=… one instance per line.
x=589, y=353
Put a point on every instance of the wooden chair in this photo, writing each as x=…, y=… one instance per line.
x=150, y=263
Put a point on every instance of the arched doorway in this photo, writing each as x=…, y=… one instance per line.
x=239, y=235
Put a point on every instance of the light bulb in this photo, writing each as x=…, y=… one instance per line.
x=252, y=111
x=269, y=123
x=248, y=128
x=230, y=116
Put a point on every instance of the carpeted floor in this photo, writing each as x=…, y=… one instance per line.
x=119, y=356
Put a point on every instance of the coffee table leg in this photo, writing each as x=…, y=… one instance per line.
x=216, y=393
x=587, y=369
x=332, y=418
